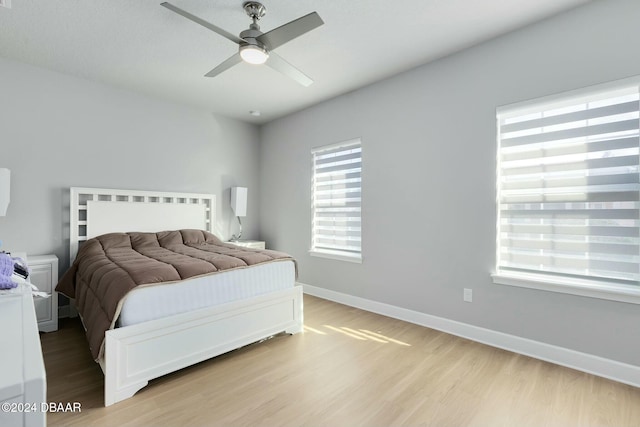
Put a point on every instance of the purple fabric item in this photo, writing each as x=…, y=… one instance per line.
x=6, y=270
x=7, y=283
x=6, y=265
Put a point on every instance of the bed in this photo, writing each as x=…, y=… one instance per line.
x=234, y=308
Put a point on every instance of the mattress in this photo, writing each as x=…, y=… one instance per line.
x=154, y=302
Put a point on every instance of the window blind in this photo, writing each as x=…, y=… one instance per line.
x=337, y=201
x=569, y=187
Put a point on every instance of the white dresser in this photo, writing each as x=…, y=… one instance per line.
x=23, y=385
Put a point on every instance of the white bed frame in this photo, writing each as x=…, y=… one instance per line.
x=136, y=354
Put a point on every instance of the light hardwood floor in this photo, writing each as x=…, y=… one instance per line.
x=349, y=368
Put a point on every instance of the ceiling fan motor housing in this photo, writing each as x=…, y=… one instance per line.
x=250, y=37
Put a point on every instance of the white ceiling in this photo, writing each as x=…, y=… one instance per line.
x=140, y=46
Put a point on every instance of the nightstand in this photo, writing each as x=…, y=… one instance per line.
x=44, y=274
x=252, y=244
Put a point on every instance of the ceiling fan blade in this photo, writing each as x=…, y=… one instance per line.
x=287, y=32
x=276, y=62
x=235, y=59
x=202, y=22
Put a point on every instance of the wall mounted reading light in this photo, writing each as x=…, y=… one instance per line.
x=5, y=190
x=239, y=206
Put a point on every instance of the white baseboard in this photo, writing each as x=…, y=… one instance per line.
x=606, y=368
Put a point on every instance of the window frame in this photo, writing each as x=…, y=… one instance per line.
x=591, y=287
x=354, y=257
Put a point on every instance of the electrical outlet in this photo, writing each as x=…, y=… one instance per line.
x=5, y=3
x=467, y=295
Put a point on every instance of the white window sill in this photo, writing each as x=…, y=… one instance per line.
x=340, y=256
x=602, y=290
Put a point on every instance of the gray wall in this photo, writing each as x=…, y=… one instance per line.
x=429, y=148
x=58, y=131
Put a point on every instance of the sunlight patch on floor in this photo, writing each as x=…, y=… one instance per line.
x=386, y=338
x=359, y=334
x=333, y=328
x=371, y=337
x=315, y=331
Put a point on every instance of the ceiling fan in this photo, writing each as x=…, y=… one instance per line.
x=256, y=47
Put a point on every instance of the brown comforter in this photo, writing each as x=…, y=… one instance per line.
x=109, y=266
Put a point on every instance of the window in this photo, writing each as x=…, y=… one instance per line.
x=336, y=201
x=569, y=193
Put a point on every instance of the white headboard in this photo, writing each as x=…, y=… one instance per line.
x=96, y=211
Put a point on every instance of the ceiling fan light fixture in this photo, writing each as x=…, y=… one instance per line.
x=253, y=54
